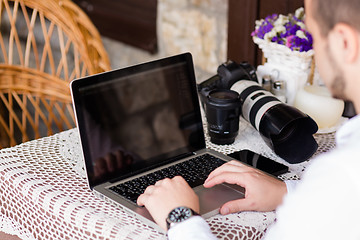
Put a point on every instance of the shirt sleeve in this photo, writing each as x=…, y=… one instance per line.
x=291, y=185
x=325, y=204
x=193, y=228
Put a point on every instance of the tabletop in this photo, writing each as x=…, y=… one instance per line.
x=45, y=195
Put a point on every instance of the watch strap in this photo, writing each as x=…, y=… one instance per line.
x=178, y=215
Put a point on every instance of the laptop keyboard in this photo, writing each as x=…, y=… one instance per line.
x=194, y=171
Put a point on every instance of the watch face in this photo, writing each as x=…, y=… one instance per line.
x=180, y=214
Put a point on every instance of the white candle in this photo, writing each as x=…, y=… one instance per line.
x=318, y=103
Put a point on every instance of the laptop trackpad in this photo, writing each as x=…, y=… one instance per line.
x=211, y=199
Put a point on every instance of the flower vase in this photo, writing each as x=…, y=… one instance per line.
x=294, y=68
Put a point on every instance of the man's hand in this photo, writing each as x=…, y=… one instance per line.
x=263, y=192
x=165, y=195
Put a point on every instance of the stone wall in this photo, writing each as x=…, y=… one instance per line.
x=195, y=26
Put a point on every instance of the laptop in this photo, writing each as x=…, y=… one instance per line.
x=143, y=123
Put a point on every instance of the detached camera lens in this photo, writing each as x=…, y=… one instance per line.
x=222, y=110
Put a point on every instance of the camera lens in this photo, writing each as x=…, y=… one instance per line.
x=284, y=128
x=222, y=110
x=255, y=101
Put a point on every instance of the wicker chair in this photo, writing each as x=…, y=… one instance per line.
x=44, y=44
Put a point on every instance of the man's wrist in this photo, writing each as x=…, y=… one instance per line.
x=178, y=215
x=193, y=228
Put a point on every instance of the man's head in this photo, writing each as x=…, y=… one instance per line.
x=328, y=13
x=335, y=26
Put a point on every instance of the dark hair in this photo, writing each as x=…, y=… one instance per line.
x=328, y=13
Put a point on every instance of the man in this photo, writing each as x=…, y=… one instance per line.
x=326, y=202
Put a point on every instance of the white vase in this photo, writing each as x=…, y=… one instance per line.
x=292, y=67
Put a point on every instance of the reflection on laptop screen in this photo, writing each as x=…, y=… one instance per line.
x=135, y=117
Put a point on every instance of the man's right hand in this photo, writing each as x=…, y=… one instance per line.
x=165, y=195
x=262, y=192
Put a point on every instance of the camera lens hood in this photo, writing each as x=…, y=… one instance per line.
x=289, y=132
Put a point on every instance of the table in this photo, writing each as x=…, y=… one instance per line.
x=44, y=193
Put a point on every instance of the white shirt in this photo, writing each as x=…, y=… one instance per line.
x=324, y=205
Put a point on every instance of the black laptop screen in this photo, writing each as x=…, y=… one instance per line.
x=137, y=118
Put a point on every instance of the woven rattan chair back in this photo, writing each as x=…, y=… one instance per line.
x=44, y=44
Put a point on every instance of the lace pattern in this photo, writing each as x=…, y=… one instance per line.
x=44, y=193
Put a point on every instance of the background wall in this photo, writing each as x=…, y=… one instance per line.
x=213, y=30
x=196, y=26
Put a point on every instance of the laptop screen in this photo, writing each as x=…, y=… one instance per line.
x=137, y=118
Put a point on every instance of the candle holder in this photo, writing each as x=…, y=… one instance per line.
x=317, y=102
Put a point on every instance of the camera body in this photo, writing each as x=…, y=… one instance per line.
x=235, y=91
x=222, y=105
x=228, y=73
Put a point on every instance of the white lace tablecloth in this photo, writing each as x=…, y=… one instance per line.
x=44, y=193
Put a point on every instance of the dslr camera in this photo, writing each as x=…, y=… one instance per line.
x=235, y=91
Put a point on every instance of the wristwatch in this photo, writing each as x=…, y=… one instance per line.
x=178, y=215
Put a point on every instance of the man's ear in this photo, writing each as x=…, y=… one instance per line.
x=345, y=42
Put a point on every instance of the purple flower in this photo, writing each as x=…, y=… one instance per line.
x=271, y=17
x=284, y=32
x=278, y=40
x=263, y=29
x=296, y=43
